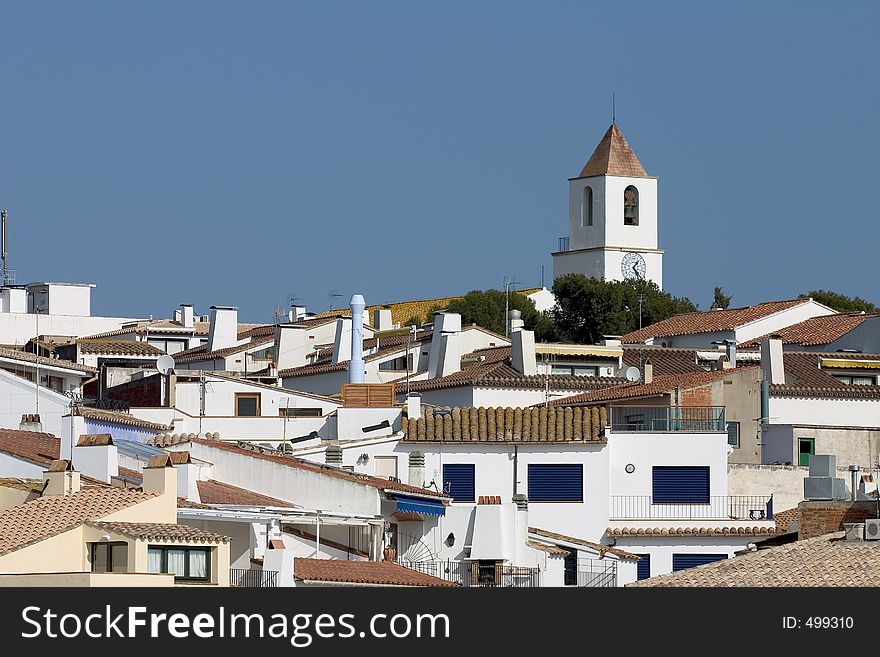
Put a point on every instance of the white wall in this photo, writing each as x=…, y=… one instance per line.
x=351, y=421
x=825, y=411
x=11, y=466
x=661, y=549
x=220, y=398
x=513, y=397
x=18, y=328
x=19, y=396
x=320, y=384
x=544, y=300
x=463, y=396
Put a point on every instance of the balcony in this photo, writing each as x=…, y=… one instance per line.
x=593, y=573
x=722, y=507
x=668, y=418
x=475, y=574
x=253, y=578
x=563, y=244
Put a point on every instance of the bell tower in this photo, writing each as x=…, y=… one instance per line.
x=612, y=217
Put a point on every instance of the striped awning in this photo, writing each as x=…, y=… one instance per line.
x=420, y=506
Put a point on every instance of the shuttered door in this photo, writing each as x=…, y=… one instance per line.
x=458, y=481
x=681, y=484
x=556, y=482
x=682, y=561
x=643, y=566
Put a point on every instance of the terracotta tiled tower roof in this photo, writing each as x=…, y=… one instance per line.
x=613, y=157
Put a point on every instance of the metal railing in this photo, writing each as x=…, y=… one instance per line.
x=563, y=244
x=594, y=573
x=252, y=578
x=667, y=418
x=475, y=574
x=721, y=507
x=104, y=403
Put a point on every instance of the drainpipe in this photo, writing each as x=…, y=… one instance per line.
x=765, y=401
x=854, y=482
x=515, y=468
x=318, y=535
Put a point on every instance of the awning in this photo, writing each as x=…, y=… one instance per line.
x=421, y=506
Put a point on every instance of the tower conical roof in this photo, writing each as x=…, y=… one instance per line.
x=613, y=157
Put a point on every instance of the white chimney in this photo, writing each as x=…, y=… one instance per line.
x=186, y=316
x=414, y=405
x=648, y=375
x=291, y=346
x=223, y=332
x=160, y=476
x=13, y=300
x=445, y=355
x=416, y=469
x=356, y=364
x=296, y=314
x=342, y=341
x=187, y=475
x=522, y=357
x=95, y=455
x=382, y=319
x=514, y=321
x=771, y=361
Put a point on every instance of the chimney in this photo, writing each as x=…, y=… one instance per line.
x=223, y=332
x=514, y=321
x=822, y=482
x=333, y=455
x=30, y=422
x=96, y=456
x=416, y=469
x=187, y=318
x=342, y=341
x=60, y=479
x=414, y=406
x=730, y=349
x=382, y=319
x=187, y=475
x=854, y=482
x=296, y=314
x=771, y=361
x=291, y=346
x=522, y=520
x=356, y=364
x=522, y=345
x=648, y=375
x=160, y=476
x=445, y=355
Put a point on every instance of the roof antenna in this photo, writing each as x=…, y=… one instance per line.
x=613, y=110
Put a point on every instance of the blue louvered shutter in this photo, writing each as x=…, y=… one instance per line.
x=643, y=566
x=681, y=484
x=556, y=482
x=458, y=481
x=682, y=561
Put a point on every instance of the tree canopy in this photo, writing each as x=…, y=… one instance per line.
x=841, y=302
x=589, y=308
x=486, y=308
x=721, y=301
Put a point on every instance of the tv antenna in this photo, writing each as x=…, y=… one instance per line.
x=8, y=274
x=509, y=281
x=332, y=294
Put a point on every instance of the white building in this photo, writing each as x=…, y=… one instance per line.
x=612, y=217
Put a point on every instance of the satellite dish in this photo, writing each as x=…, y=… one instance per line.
x=164, y=364
x=633, y=374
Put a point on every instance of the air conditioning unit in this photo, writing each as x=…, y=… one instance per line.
x=872, y=529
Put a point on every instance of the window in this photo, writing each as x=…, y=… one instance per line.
x=556, y=482
x=682, y=484
x=631, y=206
x=109, y=557
x=168, y=346
x=571, y=569
x=300, y=412
x=386, y=466
x=185, y=563
x=575, y=370
x=458, y=481
x=247, y=404
x=682, y=561
x=856, y=380
x=643, y=566
x=733, y=434
x=400, y=364
x=587, y=208
x=806, y=448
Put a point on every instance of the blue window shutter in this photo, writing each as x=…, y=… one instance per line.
x=681, y=484
x=556, y=482
x=458, y=481
x=682, y=561
x=643, y=566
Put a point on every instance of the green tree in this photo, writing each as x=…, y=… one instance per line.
x=721, y=300
x=840, y=302
x=486, y=308
x=588, y=308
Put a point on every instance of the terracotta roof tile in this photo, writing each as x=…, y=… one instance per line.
x=666, y=360
x=805, y=378
x=785, y=518
x=362, y=572
x=744, y=530
x=505, y=425
x=25, y=357
x=44, y=517
x=549, y=549
x=201, y=352
x=118, y=417
x=601, y=549
x=816, y=330
x=709, y=321
x=613, y=157
x=821, y=561
x=156, y=326
x=161, y=531
x=40, y=448
x=216, y=492
x=121, y=347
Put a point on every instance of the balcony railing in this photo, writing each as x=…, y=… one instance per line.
x=722, y=507
x=474, y=574
x=252, y=578
x=667, y=418
x=594, y=573
x=563, y=244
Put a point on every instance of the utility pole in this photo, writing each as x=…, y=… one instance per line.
x=508, y=283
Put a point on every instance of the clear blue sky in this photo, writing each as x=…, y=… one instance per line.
x=237, y=153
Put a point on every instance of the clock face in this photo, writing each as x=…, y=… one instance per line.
x=633, y=266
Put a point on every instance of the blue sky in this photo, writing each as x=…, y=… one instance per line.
x=238, y=153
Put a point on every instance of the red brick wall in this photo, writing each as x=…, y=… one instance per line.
x=817, y=518
x=701, y=396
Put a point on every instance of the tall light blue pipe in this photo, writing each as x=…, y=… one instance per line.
x=356, y=364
